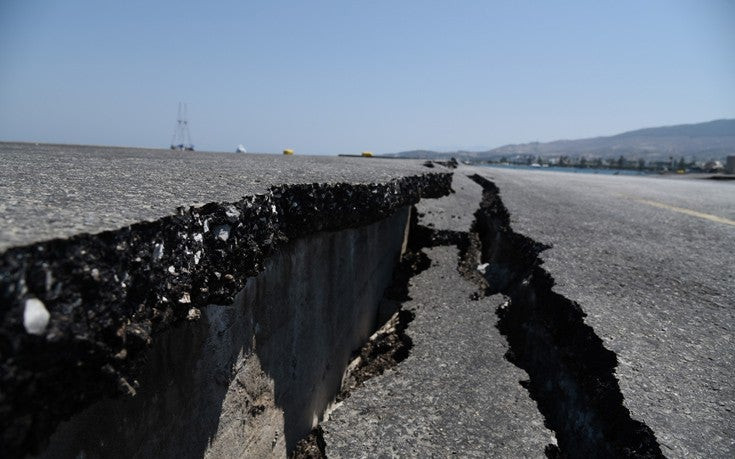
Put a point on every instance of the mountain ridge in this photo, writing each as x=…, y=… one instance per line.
x=699, y=141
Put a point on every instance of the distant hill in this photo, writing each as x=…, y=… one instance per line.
x=702, y=141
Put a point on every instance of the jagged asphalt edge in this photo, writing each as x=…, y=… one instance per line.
x=110, y=294
x=572, y=374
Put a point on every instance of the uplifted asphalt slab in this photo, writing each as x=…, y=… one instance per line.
x=105, y=249
x=51, y=191
x=651, y=262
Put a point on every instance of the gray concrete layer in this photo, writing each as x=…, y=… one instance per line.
x=657, y=284
x=455, y=394
x=252, y=378
x=51, y=191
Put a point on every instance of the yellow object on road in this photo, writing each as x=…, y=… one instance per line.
x=288, y=152
x=367, y=154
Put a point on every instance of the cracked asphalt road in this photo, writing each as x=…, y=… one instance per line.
x=455, y=394
x=658, y=285
x=650, y=261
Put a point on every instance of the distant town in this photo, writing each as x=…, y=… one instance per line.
x=678, y=165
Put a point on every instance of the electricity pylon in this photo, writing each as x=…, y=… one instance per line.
x=182, y=139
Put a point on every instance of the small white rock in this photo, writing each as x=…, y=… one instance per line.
x=222, y=232
x=49, y=278
x=197, y=257
x=198, y=237
x=193, y=314
x=35, y=316
x=483, y=267
x=232, y=212
x=185, y=298
x=157, y=251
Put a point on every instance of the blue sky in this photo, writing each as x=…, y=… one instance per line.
x=328, y=77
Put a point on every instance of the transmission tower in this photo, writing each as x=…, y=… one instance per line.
x=182, y=139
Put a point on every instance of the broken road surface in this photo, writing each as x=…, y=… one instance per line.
x=656, y=283
x=455, y=393
x=647, y=260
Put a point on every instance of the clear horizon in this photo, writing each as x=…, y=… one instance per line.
x=335, y=77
